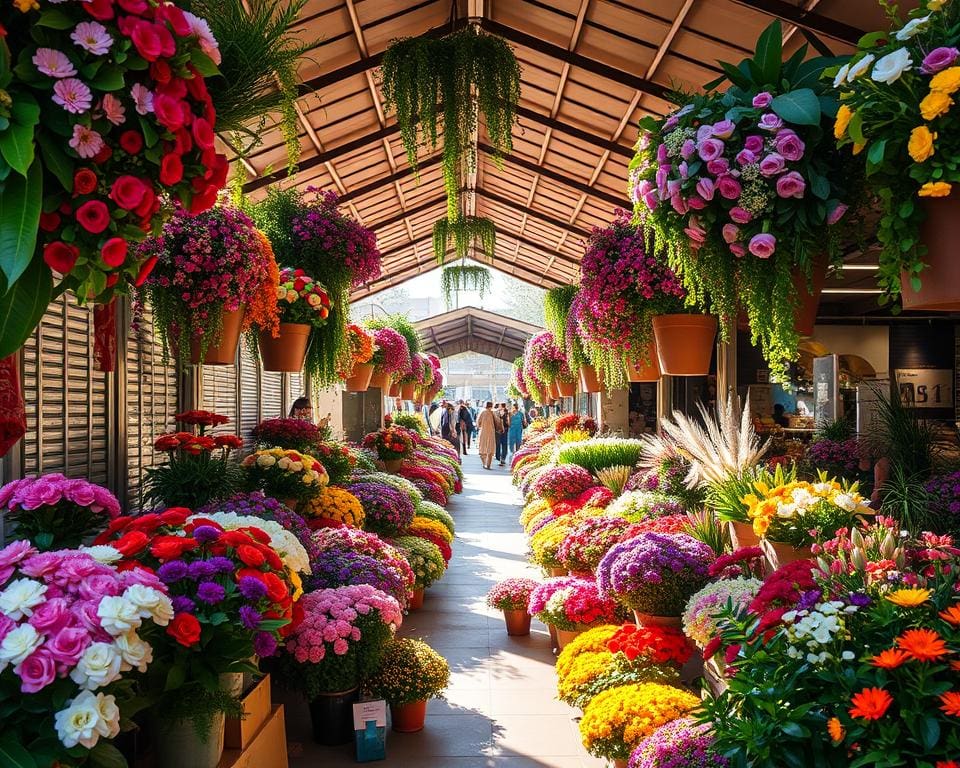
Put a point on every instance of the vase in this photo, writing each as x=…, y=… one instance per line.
x=416, y=599
x=380, y=380
x=222, y=349
x=589, y=379
x=517, y=621
x=567, y=388
x=179, y=743
x=646, y=367
x=359, y=379
x=778, y=554
x=685, y=343
x=940, y=280
x=408, y=390
x=408, y=718
x=332, y=717
x=742, y=534
x=287, y=351
x=393, y=465
x=653, y=620
x=808, y=296
x=394, y=390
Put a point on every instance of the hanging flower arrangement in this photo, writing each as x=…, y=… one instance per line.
x=391, y=353
x=359, y=348
x=545, y=361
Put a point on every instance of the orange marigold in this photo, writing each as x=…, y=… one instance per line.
x=951, y=615
x=870, y=703
x=923, y=644
x=950, y=703
x=891, y=658
x=262, y=311
x=836, y=730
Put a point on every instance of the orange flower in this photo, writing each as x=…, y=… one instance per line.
x=836, y=730
x=955, y=666
x=923, y=644
x=951, y=615
x=262, y=310
x=891, y=658
x=870, y=703
x=951, y=703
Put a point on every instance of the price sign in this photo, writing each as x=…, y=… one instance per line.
x=925, y=387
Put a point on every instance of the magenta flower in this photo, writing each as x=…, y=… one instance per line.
x=762, y=100
x=53, y=63
x=729, y=187
x=142, y=99
x=730, y=233
x=738, y=250
x=662, y=154
x=938, y=59
x=710, y=149
x=679, y=204
x=696, y=203
x=85, y=141
x=92, y=37
x=695, y=233
x=763, y=245
x=718, y=167
x=746, y=157
x=789, y=145
x=770, y=122
x=836, y=213
x=688, y=149
x=772, y=165
x=73, y=95
x=791, y=184
x=754, y=144
x=740, y=215
x=705, y=188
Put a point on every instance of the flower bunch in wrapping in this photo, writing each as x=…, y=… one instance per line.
x=570, y=603
x=411, y=671
x=334, y=506
x=296, y=434
x=53, y=512
x=387, y=510
x=511, y=594
x=285, y=474
x=566, y=481
x=426, y=560
x=682, y=743
x=71, y=628
x=301, y=299
x=358, y=349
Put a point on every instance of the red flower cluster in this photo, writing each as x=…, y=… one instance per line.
x=444, y=548
x=574, y=421
x=666, y=524
x=746, y=561
x=202, y=418
x=598, y=496
x=660, y=645
x=781, y=592
x=195, y=444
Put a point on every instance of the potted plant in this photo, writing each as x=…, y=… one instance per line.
x=388, y=510
x=701, y=617
x=512, y=596
x=402, y=325
x=547, y=363
x=303, y=305
x=895, y=98
x=290, y=476
x=334, y=507
x=588, y=541
x=54, y=512
x=198, y=468
x=572, y=606
x=214, y=278
x=391, y=355
x=341, y=641
x=357, y=368
x=392, y=445
x=741, y=191
x=410, y=673
x=340, y=542
x=562, y=323
x=296, y=434
x=425, y=560
x=683, y=741
x=339, y=459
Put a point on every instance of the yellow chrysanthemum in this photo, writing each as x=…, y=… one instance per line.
x=935, y=104
x=844, y=115
x=336, y=504
x=297, y=583
x=430, y=527
x=947, y=81
x=909, y=598
x=935, y=189
x=26, y=5
x=592, y=641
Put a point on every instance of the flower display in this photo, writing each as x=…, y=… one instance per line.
x=358, y=350
x=426, y=560
x=285, y=474
x=568, y=603
x=301, y=299
x=337, y=458
x=637, y=506
x=700, y=615
x=435, y=512
x=574, y=421
x=387, y=510
x=391, y=353
x=589, y=540
x=563, y=482
x=410, y=671
x=292, y=553
x=296, y=434
x=391, y=443
x=511, y=594
x=340, y=542
x=336, y=506
x=660, y=645
x=944, y=493
x=546, y=539
x=655, y=573
x=682, y=743
x=544, y=360
x=341, y=565
x=54, y=512
x=429, y=529
x=837, y=458
x=596, y=497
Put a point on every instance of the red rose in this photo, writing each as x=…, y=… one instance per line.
x=174, y=516
x=273, y=559
x=160, y=71
x=276, y=589
x=131, y=142
x=112, y=279
x=145, y=269
x=258, y=534
x=60, y=256
x=138, y=7
x=49, y=221
x=235, y=539
x=171, y=170
x=168, y=46
x=185, y=629
x=84, y=181
x=204, y=200
x=176, y=88
x=146, y=40
x=174, y=16
x=183, y=141
x=114, y=252
x=196, y=85
x=102, y=10
x=131, y=543
x=103, y=155
x=168, y=111
x=170, y=547
x=93, y=216
x=202, y=133
x=146, y=207
x=127, y=192
x=250, y=556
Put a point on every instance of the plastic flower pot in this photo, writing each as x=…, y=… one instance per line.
x=777, y=554
x=380, y=380
x=742, y=535
x=652, y=620
x=416, y=599
x=408, y=718
x=332, y=717
x=287, y=352
x=408, y=390
x=567, y=388
x=641, y=370
x=589, y=379
x=393, y=465
x=394, y=390
x=940, y=281
x=685, y=343
x=517, y=621
x=359, y=380
x=222, y=349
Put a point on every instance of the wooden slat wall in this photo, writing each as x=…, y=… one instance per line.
x=219, y=393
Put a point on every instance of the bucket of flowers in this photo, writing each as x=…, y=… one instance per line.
x=512, y=597
x=392, y=444
x=572, y=606
x=358, y=353
x=303, y=305
x=296, y=434
x=410, y=673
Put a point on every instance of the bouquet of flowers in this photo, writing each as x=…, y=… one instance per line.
x=683, y=742
x=387, y=510
x=411, y=671
x=391, y=443
x=655, y=573
x=337, y=459
x=563, y=482
x=292, y=553
x=341, y=640
x=589, y=540
x=296, y=434
x=301, y=299
x=285, y=474
x=197, y=470
x=426, y=560
x=334, y=506
x=511, y=594
x=54, y=512
x=569, y=603
x=69, y=631
x=700, y=618
x=102, y=118
x=390, y=351
x=336, y=540
x=358, y=349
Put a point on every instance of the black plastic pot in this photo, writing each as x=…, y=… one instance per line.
x=332, y=717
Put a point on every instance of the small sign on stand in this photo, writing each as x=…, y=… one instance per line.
x=370, y=730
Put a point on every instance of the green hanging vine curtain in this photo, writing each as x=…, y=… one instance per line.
x=464, y=231
x=465, y=277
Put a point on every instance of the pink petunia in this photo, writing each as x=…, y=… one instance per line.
x=85, y=141
x=53, y=63
x=142, y=99
x=92, y=37
x=73, y=95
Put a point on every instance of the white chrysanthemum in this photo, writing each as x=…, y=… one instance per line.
x=285, y=544
x=103, y=553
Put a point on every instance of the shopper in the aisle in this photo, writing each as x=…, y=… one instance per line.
x=502, y=436
x=465, y=425
x=487, y=441
x=518, y=423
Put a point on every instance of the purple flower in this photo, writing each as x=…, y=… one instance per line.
x=772, y=165
x=791, y=184
x=264, y=644
x=251, y=588
x=938, y=59
x=710, y=149
x=836, y=213
x=724, y=129
x=688, y=149
x=859, y=599
x=729, y=187
x=210, y=592
x=762, y=100
x=740, y=215
x=672, y=122
x=183, y=604
x=221, y=564
x=704, y=132
x=770, y=122
x=754, y=144
x=662, y=154
x=705, y=188
x=201, y=569
x=250, y=617
x=746, y=157
x=763, y=245
x=173, y=571
x=681, y=743
x=789, y=145
x=730, y=233
x=205, y=533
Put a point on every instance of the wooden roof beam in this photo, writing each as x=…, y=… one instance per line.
x=542, y=216
x=812, y=22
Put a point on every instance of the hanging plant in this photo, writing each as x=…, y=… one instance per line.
x=405, y=327
x=465, y=277
x=437, y=87
x=464, y=231
x=556, y=309
x=545, y=361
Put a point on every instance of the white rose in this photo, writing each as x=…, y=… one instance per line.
x=296, y=466
x=890, y=67
x=86, y=718
x=99, y=666
x=841, y=76
x=911, y=28
x=284, y=463
x=18, y=644
x=136, y=654
x=102, y=553
x=118, y=615
x=21, y=597
x=151, y=602
x=109, y=725
x=266, y=460
x=860, y=67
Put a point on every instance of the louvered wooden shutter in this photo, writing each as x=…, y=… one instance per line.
x=250, y=408
x=220, y=394
x=271, y=395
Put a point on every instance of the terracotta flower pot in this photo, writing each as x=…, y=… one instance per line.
x=556, y=571
x=287, y=352
x=553, y=637
x=416, y=600
x=222, y=350
x=581, y=574
x=380, y=380
x=940, y=281
x=685, y=343
x=646, y=367
x=808, y=296
x=394, y=390
x=408, y=718
x=517, y=621
x=589, y=379
x=652, y=620
x=778, y=554
x=359, y=380
x=393, y=465
x=567, y=636
x=567, y=388
x=408, y=390
x=621, y=762
x=742, y=535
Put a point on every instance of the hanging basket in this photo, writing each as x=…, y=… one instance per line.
x=408, y=390
x=940, y=281
x=287, y=351
x=380, y=380
x=359, y=380
x=640, y=370
x=808, y=296
x=589, y=379
x=685, y=343
x=567, y=388
x=222, y=349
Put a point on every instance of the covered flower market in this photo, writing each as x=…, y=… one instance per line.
x=672, y=480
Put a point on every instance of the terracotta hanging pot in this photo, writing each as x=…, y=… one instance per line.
x=652, y=620
x=647, y=366
x=408, y=390
x=408, y=718
x=555, y=572
x=685, y=343
x=359, y=380
x=380, y=380
x=589, y=379
x=222, y=350
x=808, y=296
x=517, y=621
x=742, y=535
x=567, y=388
x=394, y=390
x=287, y=351
x=940, y=281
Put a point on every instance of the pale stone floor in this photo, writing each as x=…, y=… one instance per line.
x=500, y=710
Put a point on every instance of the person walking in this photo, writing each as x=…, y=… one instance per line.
x=517, y=424
x=502, y=445
x=449, y=426
x=487, y=441
x=465, y=426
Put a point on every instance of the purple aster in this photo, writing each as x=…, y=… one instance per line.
x=809, y=599
x=250, y=617
x=251, y=588
x=859, y=599
x=210, y=592
x=173, y=571
x=264, y=644
x=183, y=604
x=205, y=533
x=221, y=564
x=201, y=569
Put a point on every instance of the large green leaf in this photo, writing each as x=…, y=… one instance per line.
x=105, y=755
x=55, y=160
x=12, y=755
x=22, y=307
x=800, y=107
x=20, y=203
x=16, y=142
x=769, y=53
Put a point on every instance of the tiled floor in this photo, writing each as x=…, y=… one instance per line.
x=500, y=710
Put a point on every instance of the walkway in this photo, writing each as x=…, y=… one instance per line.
x=500, y=710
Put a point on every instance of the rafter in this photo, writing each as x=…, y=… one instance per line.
x=537, y=214
x=814, y=22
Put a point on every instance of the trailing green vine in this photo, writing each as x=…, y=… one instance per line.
x=464, y=231
x=465, y=277
x=437, y=87
x=556, y=309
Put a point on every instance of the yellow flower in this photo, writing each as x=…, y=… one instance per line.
x=26, y=5
x=858, y=148
x=935, y=189
x=909, y=598
x=936, y=5
x=935, y=104
x=297, y=583
x=844, y=114
x=947, y=81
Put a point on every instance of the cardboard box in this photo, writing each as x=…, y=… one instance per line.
x=257, y=710
x=267, y=750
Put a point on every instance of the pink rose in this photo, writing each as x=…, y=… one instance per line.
x=679, y=204
x=695, y=233
x=662, y=154
x=99, y=585
x=705, y=188
x=939, y=59
x=16, y=551
x=710, y=149
x=772, y=165
x=770, y=122
x=43, y=565
x=730, y=233
x=789, y=145
x=80, y=492
x=740, y=215
x=7, y=624
x=340, y=647
x=729, y=187
x=651, y=199
x=36, y=671
x=836, y=214
x=746, y=157
x=738, y=250
x=673, y=187
x=704, y=132
x=762, y=100
x=791, y=185
x=68, y=645
x=763, y=245
x=688, y=149
x=719, y=166
x=754, y=144
x=52, y=616
x=696, y=203
x=724, y=129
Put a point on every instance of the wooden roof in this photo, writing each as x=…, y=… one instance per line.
x=470, y=329
x=590, y=70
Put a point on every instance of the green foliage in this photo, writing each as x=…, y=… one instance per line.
x=597, y=453
x=199, y=706
x=839, y=430
x=556, y=308
x=706, y=527
x=437, y=87
x=191, y=481
x=466, y=277
x=903, y=437
x=409, y=420
x=465, y=231
x=907, y=500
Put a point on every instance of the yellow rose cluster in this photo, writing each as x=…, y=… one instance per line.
x=790, y=502
x=338, y=505
x=922, y=143
x=424, y=525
